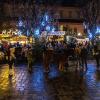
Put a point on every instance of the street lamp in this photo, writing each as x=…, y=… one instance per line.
x=79, y=34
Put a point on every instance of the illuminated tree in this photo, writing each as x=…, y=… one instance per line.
x=91, y=12
x=37, y=18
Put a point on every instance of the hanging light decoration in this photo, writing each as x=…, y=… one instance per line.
x=90, y=34
x=53, y=29
x=98, y=30
x=46, y=17
x=20, y=23
x=37, y=31
x=48, y=28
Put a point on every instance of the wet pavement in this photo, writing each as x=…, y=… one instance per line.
x=70, y=85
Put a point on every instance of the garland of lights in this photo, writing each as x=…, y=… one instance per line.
x=45, y=25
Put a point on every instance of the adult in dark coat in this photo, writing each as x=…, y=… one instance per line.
x=84, y=54
x=96, y=53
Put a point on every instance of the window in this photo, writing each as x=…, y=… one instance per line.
x=78, y=14
x=75, y=30
x=61, y=14
x=70, y=14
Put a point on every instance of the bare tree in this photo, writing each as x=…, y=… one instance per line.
x=32, y=15
x=91, y=12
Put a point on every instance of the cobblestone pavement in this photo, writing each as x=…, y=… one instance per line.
x=72, y=85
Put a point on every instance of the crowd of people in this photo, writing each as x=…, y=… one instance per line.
x=15, y=54
x=58, y=52
x=62, y=52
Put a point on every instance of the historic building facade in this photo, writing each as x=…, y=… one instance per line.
x=68, y=18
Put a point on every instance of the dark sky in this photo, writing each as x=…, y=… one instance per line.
x=51, y=2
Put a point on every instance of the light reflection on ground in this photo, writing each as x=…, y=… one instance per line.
x=52, y=86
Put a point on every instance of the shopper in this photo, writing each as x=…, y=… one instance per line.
x=84, y=54
x=1, y=56
x=96, y=53
x=30, y=59
x=77, y=53
x=11, y=59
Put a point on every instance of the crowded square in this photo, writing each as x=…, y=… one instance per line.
x=49, y=50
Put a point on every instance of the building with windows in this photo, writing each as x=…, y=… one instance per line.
x=68, y=18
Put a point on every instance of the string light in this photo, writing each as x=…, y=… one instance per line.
x=20, y=24
x=37, y=32
x=48, y=28
x=46, y=17
x=90, y=34
x=98, y=30
x=19, y=32
x=43, y=23
x=53, y=29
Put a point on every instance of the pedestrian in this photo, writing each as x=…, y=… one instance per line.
x=11, y=59
x=30, y=59
x=24, y=53
x=1, y=56
x=96, y=53
x=47, y=55
x=83, y=55
x=77, y=53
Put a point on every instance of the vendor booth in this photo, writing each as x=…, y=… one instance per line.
x=53, y=36
x=13, y=37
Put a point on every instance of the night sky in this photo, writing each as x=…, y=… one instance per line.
x=50, y=2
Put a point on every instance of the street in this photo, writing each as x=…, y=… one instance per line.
x=70, y=85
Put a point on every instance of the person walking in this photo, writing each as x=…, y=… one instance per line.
x=47, y=55
x=11, y=59
x=96, y=53
x=77, y=53
x=84, y=54
x=1, y=56
x=30, y=59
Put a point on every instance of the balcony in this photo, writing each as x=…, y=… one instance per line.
x=70, y=20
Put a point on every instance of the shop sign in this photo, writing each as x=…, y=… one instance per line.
x=57, y=33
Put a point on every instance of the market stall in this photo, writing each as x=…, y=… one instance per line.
x=53, y=36
x=21, y=39
x=13, y=37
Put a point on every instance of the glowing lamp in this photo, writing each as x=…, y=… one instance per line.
x=61, y=28
x=43, y=23
x=46, y=17
x=98, y=30
x=90, y=35
x=48, y=28
x=20, y=23
x=53, y=29
x=37, y=32
x=79, y=34
x=19, y=32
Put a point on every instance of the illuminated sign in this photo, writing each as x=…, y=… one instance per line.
x=57, y=33
x=10, y=32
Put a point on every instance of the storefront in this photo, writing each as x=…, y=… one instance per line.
x=53, y=36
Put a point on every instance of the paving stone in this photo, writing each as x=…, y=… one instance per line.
x=69, y=85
